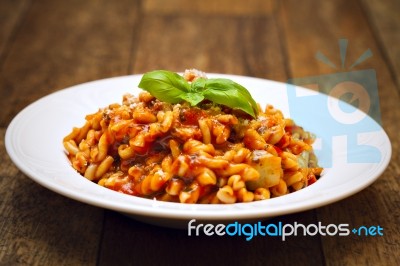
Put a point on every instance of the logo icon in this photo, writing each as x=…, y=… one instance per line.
x=339, y=107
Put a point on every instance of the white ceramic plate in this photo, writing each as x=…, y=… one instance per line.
x=34, y=143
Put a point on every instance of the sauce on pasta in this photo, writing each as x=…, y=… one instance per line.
x=208, y=153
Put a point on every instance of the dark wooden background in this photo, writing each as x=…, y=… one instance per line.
x=49, y=45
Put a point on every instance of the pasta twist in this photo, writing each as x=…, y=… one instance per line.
x=178, y=153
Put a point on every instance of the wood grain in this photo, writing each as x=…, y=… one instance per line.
x=377, y=205
x=385, y=22
x=151, y=245
x=12, y=15
x=39, y=227
x=221, y=7
x=57, y=45
x=213, y=44
x=63, y=44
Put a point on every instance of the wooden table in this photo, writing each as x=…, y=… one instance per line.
x=46, y=46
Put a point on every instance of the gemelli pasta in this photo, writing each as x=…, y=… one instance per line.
x=206, y=153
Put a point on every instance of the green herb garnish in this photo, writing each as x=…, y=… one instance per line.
x=173, y=88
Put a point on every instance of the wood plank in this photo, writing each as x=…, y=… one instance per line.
x=385, y=21
x=150, y=245
x=58, y=45
x=63, y=44
x=39, y=227
x=367, y=208
x=212, y=44
x=12, y=13
x=377, y=205
x=206, y=7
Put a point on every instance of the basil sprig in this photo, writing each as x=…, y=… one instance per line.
x=173, y=88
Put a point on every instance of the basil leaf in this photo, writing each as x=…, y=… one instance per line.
x=193, y=98
x=231, y=94
x=165, y=85
x=171, y=87
x=229, y=83
x=198, y=85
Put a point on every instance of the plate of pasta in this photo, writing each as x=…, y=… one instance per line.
x=165, y=147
